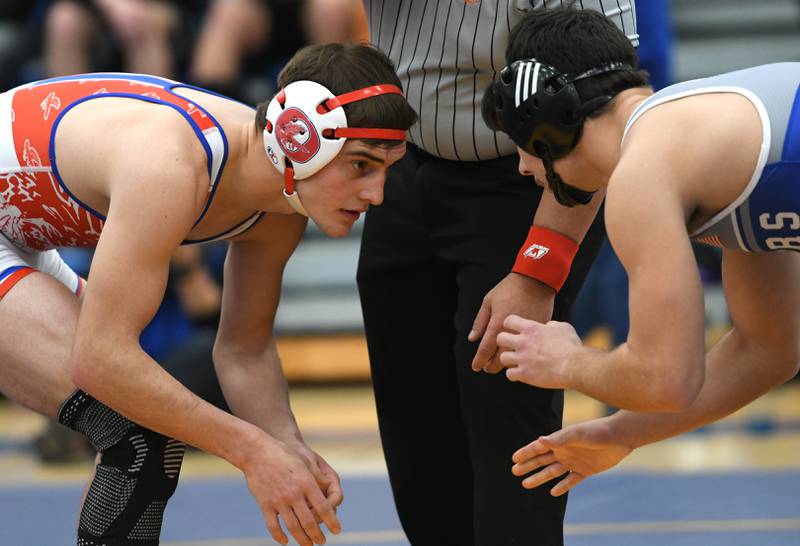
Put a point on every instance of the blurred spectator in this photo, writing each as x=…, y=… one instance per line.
x=239, y=33
x=335, y=21
x=144, y=32
x=19, y=22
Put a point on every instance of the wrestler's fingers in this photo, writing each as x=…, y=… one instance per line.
x=528, y=466
x=548, y=473
x=571, y=480
x=536, y=447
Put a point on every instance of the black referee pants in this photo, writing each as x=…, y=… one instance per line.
x=446, y=234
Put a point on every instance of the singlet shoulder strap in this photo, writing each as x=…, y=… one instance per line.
x=236, y=230
x=211, y=135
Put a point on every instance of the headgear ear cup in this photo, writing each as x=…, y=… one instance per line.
x=306, y=127
x=542, y=112
x=294, y=129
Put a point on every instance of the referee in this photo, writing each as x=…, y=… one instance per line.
x=455, y=213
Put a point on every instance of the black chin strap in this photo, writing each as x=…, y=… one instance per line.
x=566, y=195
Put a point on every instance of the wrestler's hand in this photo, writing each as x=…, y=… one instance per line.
x=279, y=479
x=327, y=478
x=515, y=294
x=576, y=452
x=536, y=353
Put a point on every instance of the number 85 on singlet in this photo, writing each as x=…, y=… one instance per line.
x=781, y=221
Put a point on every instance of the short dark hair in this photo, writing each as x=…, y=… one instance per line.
x=347, y=67
x=574, y=41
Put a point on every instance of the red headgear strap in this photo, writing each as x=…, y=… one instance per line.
x=361, y=132
x=357, y=95
x=288, y=180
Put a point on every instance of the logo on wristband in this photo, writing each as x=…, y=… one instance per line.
x=536, y=252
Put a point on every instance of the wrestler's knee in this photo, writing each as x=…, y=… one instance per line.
x=137, y=474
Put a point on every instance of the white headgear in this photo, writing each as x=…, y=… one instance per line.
x=306, y=128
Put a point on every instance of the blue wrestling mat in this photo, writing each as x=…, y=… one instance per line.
x=619, y=509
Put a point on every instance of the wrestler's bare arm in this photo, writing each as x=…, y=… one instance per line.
x=658, y=187
x=245, y=356
x=673, y=171
x=760, y=352
x=660, y=367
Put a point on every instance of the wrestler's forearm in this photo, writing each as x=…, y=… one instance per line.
x=625, y=379
x=256, y=390
x=736, y=374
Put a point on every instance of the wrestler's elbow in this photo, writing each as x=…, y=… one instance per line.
x=91, y=362
x=793, y=369
x=83, y=368
x=786, y=366
x=775, y=358
x=791, y=360
x=676, y=389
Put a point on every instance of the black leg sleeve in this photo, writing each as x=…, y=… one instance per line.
x=136, y=476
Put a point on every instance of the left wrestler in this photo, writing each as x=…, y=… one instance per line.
x=136, y=166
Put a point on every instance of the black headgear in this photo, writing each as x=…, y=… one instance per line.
x=540, y=109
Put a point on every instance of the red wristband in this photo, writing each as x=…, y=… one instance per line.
x=546, y=256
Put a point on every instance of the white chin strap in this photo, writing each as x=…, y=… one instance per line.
x=294, y=200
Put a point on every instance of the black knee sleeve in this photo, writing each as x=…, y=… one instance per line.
x=137, y=474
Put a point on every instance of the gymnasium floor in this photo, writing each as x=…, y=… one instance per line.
x=734, y=484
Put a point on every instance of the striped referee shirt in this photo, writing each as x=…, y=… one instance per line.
x=448, y=51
